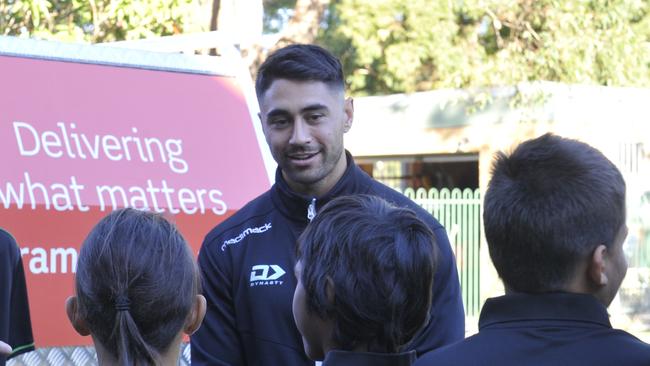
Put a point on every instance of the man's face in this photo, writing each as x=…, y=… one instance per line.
x=314, y=330
x=616, y=268
x=304, y=123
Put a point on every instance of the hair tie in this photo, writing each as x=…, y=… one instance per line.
x=122, y=303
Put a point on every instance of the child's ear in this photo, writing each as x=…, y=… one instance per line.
x=196, y=315
x=330, y=290
x=78, y=323
x=5, y=349
x=597, y=266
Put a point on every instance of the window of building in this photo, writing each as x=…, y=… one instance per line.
x=423, y=171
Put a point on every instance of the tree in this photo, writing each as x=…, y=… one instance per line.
x=100, y=20
x=391, y=46
x=115, y=20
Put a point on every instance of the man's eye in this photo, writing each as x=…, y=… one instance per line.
x=279, y=122
x=315, y=117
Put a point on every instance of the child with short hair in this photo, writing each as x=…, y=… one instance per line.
x=554, y=219
x=365, y=274
x=137, y=290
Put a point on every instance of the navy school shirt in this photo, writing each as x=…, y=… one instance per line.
x=15, y=324
x=345, y=358
x=540, y=330
x=247, y=263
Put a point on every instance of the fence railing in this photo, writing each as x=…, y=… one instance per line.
x=459, y=211
x=74, y=356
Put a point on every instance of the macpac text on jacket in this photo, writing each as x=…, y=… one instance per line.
x=240, y=237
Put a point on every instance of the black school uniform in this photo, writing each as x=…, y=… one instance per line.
x=545, y=329
x=344, y=358
x=15, y=324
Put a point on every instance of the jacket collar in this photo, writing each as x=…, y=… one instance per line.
x=295, y=205
x=345, y=358
x=560, y=306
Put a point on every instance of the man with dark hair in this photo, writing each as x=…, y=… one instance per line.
x=365, y=271
x=246, y=261
x=554, y=218
x=15, y=323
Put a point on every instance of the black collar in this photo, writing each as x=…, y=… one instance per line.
x=559, y=306
x=345, y=358
x=294, y=205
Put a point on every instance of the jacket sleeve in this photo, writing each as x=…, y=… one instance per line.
x=447, y=324
x=217, y=341
x=15, y=323
x=20, y=338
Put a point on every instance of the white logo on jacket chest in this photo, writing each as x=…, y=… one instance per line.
x=266, y=275
x=245, y=233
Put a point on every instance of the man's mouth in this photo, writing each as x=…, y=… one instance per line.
x=302, y=155
x=302, y=158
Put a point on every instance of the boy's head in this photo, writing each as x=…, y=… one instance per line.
x=365, y=274
x=554, y=217
x=137, y=288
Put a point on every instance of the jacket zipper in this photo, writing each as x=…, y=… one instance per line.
x=311, y=209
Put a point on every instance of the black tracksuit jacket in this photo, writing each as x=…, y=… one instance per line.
x=247, y=267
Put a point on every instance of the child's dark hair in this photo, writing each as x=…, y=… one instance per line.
x=549, y=204
x=136, y=283
x=380, y=261
x=301, y=62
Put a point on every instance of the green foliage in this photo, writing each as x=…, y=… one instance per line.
x=390, y=46
x=98, y=20
x=276, y=14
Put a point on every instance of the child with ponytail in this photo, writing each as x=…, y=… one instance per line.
x=137, y=290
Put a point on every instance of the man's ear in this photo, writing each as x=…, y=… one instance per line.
x=78, y=323
x=349, y=114
x=196, y=315
x=259, y=116
x=597, y=266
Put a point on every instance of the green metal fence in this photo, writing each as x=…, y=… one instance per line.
x=637, y=246
x=459, y=211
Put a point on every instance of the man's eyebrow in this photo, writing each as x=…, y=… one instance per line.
x=313, y=107
x=283, y=112
x=277, y=112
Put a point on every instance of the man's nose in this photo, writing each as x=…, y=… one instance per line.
x=301, y=133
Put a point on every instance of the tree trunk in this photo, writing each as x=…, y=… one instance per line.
x=214, y=21
x=302, y=28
